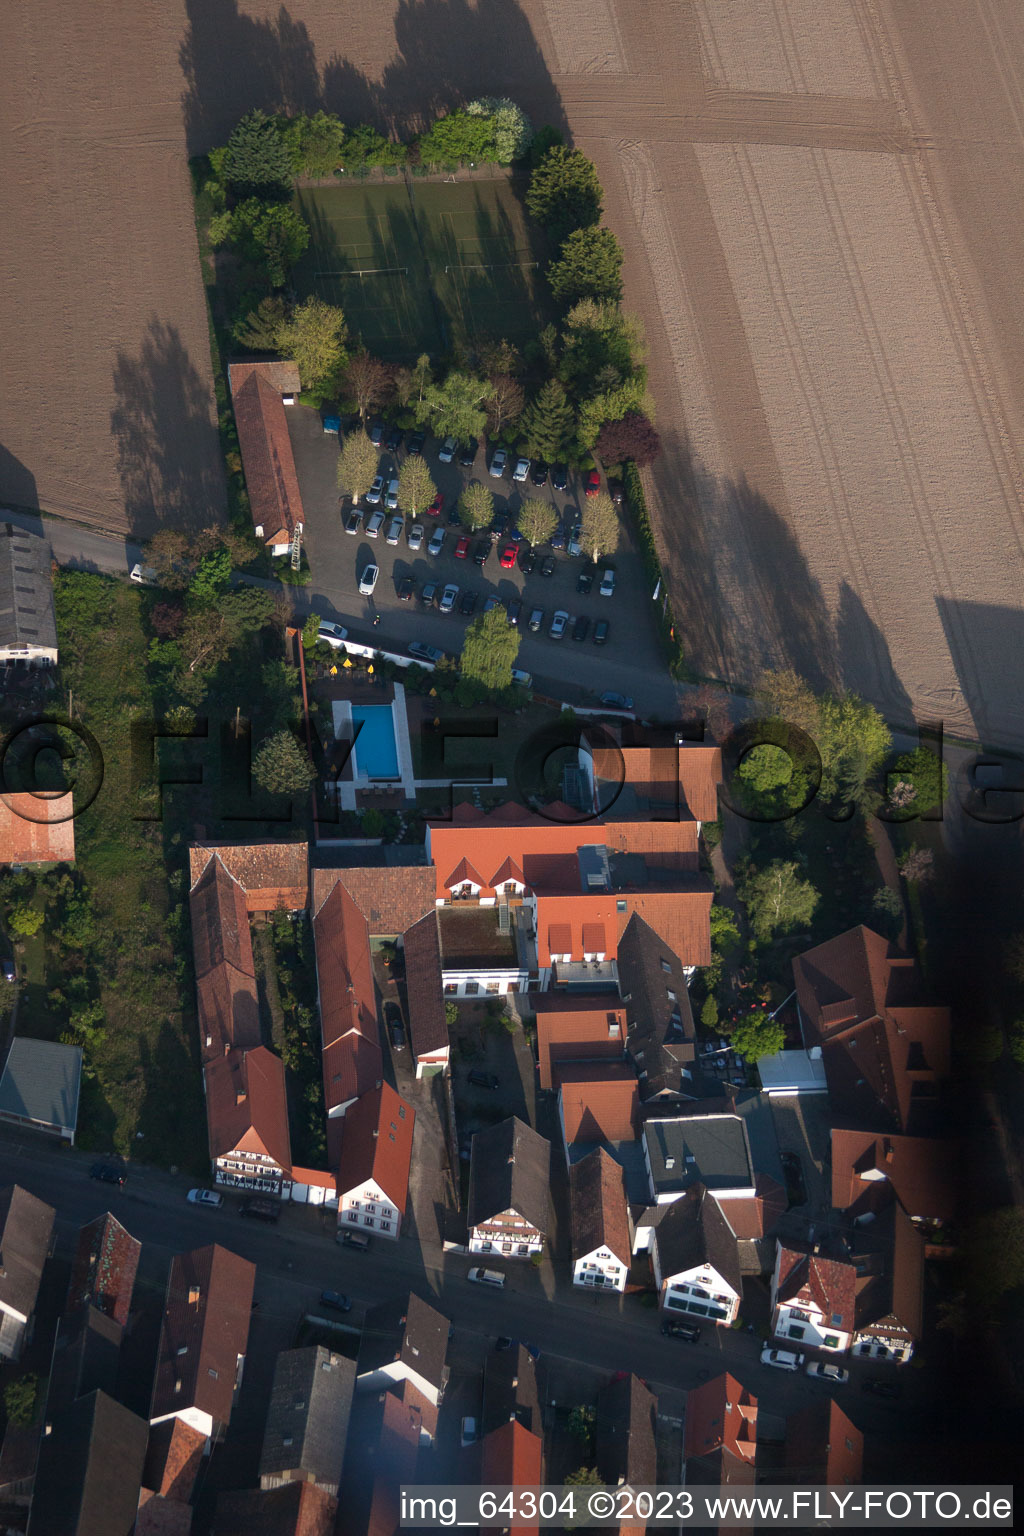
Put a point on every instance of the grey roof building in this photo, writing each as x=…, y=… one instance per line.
x=660, y=1036
x=85, y=1359
x=40, y=1087
x=307, y=1421
x=511, y=1390
x=713, y=1150
x=694, y=1232
x=90, y=1471
x=509, y=1172
x=405, y=1340
x=624, y=1433
x=26, y=1226
x=28, y=628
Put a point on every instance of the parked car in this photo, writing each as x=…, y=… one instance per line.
x=521, y=471
x=354, y=521
x=336, y=1301
x=415, y=443
x=467, y=453
x=454, y=520
x=601, y=629
x=782, y=1359
x=607, y=587
x=449, y=597
x=349, y=1239
x=592, y=482
x=617, y=492
x=447, y=450
x=482, y=1276
x=498, y=462
x=437, y=506
x=881, y=1388
x=428, y=593
x=109, y=1173
x=507, y=558
x=527, y=560
x=424, y=652
x=560, y=477
x=368, y=580
x=376, y=433
x=558, y=538
x=559, y=622
x=494, y=601
x=467, y=603
x=374, y=524
x=375, y=492
x=536, y=619
x=334, y=634
x=539, y=473
x=391, y=496
x=584, y=581
x=483, y=1079
x=513, y=609
x=260, y=1210
x=9, y=973
x=688, y=1331
x=394, y=440
x=211, y=1197
x=143, y=575
x=616, y=700
x=468, y=1434
x=547, y=565
x=481, y=552
x=521, y=678
x=581, y=628
x=462, y=547
x=395, y=1026
x=414, y=536
x=821, y=1370
x=436, y=542
x=395, y=530
x=404, y=589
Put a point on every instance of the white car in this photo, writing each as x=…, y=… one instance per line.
x=368, y=580
x=414, y=538
x=559, y=621
x=205, y=1197
x=375, y=492
x=522, y=470
x=395, y=530
x=822, y=1371
x=782, y=1359
x=447, y=450
x=449, y=597
x=607, y=586
x=334, y=634
x=498, y=463
x=524, y=679
x=391, y=496
x=374, y=524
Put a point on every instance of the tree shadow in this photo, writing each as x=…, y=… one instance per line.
x=172, y=1110
x=867, y=667
x=168, y=454
x=17, y=483
x=986, y=642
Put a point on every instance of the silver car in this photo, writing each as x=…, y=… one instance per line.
x=375, y=492
x=522, y=470
x=414, y=538
x=391, y=499
x=559, y=623
x=449, y=597
x=447, y=450
x=607, y=586
x=368, y=580
x=395, y=530
x=436, y=542
x=498, y=463
x=374, y=524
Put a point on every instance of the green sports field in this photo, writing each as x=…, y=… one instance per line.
x=425, y=266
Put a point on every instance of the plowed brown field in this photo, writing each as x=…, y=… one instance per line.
x=820, y=203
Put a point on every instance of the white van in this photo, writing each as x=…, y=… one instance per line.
x=143, y=574
x=486, y=1277
x=524, y=679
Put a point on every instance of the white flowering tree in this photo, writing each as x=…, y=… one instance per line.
x=513, y=131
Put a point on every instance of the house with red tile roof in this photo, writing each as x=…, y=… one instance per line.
x=888, y=1256
x=258, y=394
x=404, y=1344
x=695, y=1258
x=391, y=897
x=720, y=1433
x=509, y=1207
x=424, y=996
x=576, y=1026
x=37, y=829
x=228, y=1006
x=383, y=1450
x=813, y=1298
x=103, y=1269
x=869, y=1171
x=296, y=1509
x=601, y=1245
x=376, y=1154
x=247, y=1121
x=885, y=1051
x=203, y=1339
x=823, y=1446
x=352, y=1059
x=511, y=1457
x=674, y=778
x=274, y=876
x=597, y=1102
x=625, y=1439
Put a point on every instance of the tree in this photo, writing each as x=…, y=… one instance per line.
x=365, y=146
x=357, y=465
x=584, y=1477
x=777, y=899
x=311, y=632
x=994, y=1245
x=416, y=489
x=548, y=423
x=632, y=437
x=725, y=935
x=887, y=910
x=757, y=1034
x=212, y=575
x=459, y=135
x=600, y=526
x=259, y=330
x=581, y=1421
x=368, y=381
x=500, y=356
x=20, y=1400
x=854, y=742
x=315, y=337
x=455, y=408
x=1015, y=1041
x=601, y=346
x=787, y=697
x=504, y=403
x=205, y=640
x=709, y=1013
x=315, y=144
x=589, y=266
x=257, y=163
x=246, y=610
x=511, y=129
x=271, y=235
x=170, y=555
x=476, y=506
x=926, y=777
x=917, y=865
x=281, y=766
x=24, y=921
x=451, y=1013
x=564, y=193
x=167, y=619
x=537, y=520
x=489, y=651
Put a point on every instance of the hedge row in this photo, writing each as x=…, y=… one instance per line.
x=664, y=619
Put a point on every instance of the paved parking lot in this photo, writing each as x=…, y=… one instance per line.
x=631, y=661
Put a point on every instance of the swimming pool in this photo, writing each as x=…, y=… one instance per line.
x=376, y=751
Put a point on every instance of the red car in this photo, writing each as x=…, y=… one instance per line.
x=462, y=548
x=437, y=505
x=508, y=557
x=592, y=484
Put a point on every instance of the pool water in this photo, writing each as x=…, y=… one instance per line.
x=376, y=751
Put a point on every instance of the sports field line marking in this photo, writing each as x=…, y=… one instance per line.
x=365, y=272
x=489, y=266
